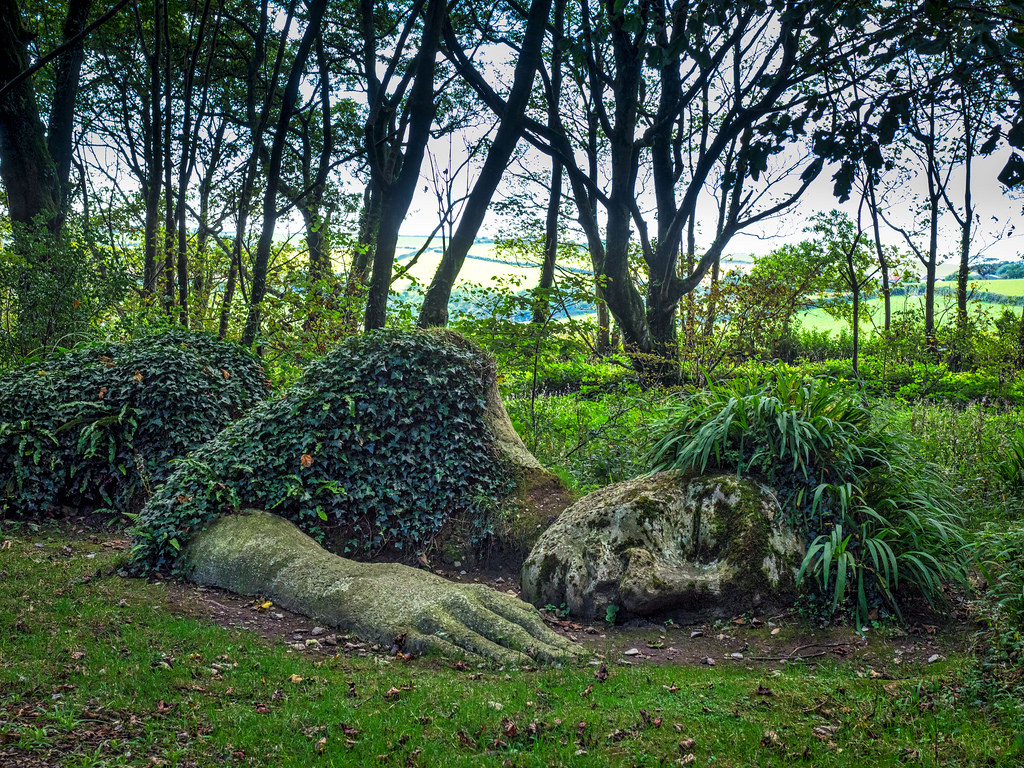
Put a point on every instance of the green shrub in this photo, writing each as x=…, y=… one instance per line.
x=380, y=443
x=875, y=515
x=99, y=427
x=54, y=290
x=999, y=550
x=595, y=439
x=912, y=382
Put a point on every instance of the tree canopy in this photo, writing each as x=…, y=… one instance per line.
x=218, y=157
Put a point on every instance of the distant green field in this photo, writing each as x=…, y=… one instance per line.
x=945, y=309
x=483, y=264
x=1005, y=287
x=479, y=267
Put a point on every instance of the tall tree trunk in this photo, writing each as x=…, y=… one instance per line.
x=397, y=195
x=258, y=286
x=229, y=295
x=883, y=262
x=59, y=139
x=359, y=268
x=542, y=303
x=153, y=126
x=966, y=221
x=435, y=303
x=26, y=166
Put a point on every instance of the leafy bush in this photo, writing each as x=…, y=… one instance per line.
x=874, y=513
x=922, y=381
x=999, y=549
x=53, y=290
x=382, y=442
x=99, y=426
x=595, y=440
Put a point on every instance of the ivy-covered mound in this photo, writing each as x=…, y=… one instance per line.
x=380, y=443
x=99, y=427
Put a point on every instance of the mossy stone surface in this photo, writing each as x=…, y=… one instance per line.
x=664, y=542
x=266, y=556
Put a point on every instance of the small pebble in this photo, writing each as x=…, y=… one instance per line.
x=934, y=658
x=698, y=633
x=631, y=652
x=317, y=631
x=277, y=615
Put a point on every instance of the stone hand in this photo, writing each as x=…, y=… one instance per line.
x=263, y=555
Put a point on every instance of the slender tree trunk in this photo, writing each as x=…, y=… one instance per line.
x=359, y=269
x=60, y=131
x=435, y=303
x=153, y=124
x=258, y=286
x=542, y=304
x=883, y=263
x=397, y=196
x=229, y=295
x=961, y=352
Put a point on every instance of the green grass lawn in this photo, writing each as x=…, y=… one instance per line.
x=100, y=670
x=1005, y=287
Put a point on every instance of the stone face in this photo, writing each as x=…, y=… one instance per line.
x=666, y=542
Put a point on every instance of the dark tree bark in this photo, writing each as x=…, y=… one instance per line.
x=359, y=269
x=397, y=192
x=258, y=286
x=435, y=303
x=27, y=168
x=189, y=148
x=153, y=132
x=542, y=306
x=60, y=131
x=883, y=262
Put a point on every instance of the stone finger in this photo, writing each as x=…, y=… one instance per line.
x=420, y=642
x=549, y=644
x=472, y=630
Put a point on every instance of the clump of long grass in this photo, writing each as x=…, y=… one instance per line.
x=879, y=520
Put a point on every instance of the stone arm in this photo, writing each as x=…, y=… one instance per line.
x=262, y=555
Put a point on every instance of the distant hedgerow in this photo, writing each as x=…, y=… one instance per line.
x=381, y=442
x=99, y=427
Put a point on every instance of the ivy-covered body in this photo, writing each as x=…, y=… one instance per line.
x=101, y=426
x=380, y=443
